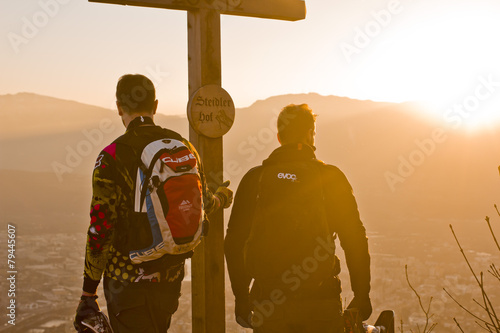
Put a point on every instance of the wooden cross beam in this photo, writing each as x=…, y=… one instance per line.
x=204, y=64
x=289, y=10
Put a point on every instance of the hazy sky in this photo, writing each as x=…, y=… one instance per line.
x=441, y=51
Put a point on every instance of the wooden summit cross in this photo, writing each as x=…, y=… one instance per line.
x=207, y=126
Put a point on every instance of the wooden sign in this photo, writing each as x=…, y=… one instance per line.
x=288, y=10
x=211, y=111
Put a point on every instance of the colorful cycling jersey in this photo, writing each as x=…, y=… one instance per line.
x=112, y=201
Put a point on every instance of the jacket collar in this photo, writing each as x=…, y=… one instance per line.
x=291, y=152
x=140, y=121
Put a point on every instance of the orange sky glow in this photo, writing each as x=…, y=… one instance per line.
x=445, y=55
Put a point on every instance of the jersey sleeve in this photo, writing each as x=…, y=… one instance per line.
x=103, y=216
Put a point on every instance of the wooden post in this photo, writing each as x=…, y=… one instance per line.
x=204, y=65
x=204, y=59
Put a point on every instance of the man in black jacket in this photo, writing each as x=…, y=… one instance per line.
x=291, y=300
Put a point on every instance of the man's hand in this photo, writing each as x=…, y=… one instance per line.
x=87, y=306
x=243, y=313
x=225, y=195
x=364, y=306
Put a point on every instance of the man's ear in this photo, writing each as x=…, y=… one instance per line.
x=311, y=133
x=310, y=138
x=120, y=110
x=279, y=140
x=155, y=106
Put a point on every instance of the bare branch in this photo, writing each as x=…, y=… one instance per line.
x=490, y=310
x=479, y=304
x=464, y=255
x=463, y=308
x=458, y=325
x=492, y=232
x=484, y=328
x=427, y=329
x=494, y=271
x=486, y=305
x=487, y=300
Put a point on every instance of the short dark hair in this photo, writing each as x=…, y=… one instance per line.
x=294, y=121
x=135, y=93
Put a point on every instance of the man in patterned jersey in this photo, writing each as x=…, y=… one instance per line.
x=140, y=297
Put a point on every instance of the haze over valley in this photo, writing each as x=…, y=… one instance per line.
x=412, y=175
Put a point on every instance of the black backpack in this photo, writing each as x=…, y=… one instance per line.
x=290, y=231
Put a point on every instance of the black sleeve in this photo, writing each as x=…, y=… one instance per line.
x=345, y=221
x=238, y=231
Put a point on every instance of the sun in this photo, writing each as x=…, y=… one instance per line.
x=448, y=60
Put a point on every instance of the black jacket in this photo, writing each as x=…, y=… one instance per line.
x=342, y=214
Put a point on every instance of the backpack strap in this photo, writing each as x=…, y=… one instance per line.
x=137, y=149
x=320, y=164
x=259, y=184
x=336, y=269
x=147, y=175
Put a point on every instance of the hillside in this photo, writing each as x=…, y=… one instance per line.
x=58, y=133
x=399, y=172
x=411, y=177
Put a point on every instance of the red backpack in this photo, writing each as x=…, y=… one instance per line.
x=169, y=190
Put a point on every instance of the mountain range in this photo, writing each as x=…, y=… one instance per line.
x=409, y=172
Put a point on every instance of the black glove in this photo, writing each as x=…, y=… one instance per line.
x=364, y=306
x=87, y=306
x=243, y=313
x=225, y=195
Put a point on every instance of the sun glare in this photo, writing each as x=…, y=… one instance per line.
x=451, y=63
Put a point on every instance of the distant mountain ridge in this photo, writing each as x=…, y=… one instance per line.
x=42, y=114
x=52, y=129
x=388, y=151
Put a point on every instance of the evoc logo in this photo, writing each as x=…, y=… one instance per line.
x=287, y=176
